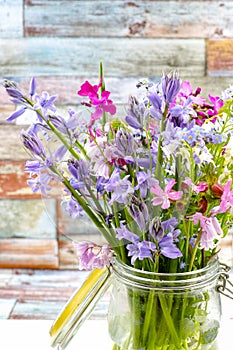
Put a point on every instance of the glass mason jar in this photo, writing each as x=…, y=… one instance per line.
x=164, y=311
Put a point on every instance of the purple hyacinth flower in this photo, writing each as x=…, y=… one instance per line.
x=145, y=181
x=73, y=208
x=139, y=212
x=124, y=233
x=44, y=103
x=170, y=85
x=170, y=224
x=120, y=188
x=141, y=250
x=33, y=143
x=156, y=109
x=16, y=114
x=100, y=183
x=136, y=112
x=168, y=248
x=40, y=183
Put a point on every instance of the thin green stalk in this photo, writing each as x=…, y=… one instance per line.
x=169, y=320
x=159, y=161
x=195, y=250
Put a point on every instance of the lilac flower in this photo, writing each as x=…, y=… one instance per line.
x=165, y=243
x=100, y=184
x=156, y=230
x=92, y=256
x=136, y=112
x=141, y=250
x=168, y=248
x=124, y=145
x=181, y=113
x=44, y=103
x=120, y=188
x=170, y=224
x=80, y=172
x=124, y=233
x=73, y=208
x=139, y=212
x=33, y=143
x=170, y=85
x=156, y=110
x=40, y=183
x=145, y=181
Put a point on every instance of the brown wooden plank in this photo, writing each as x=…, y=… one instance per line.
x=198, y=19
x=81, y=56
x=219, y=57
x=13, y=181
x=10, y=144
x=11, y=24
x=30, y=253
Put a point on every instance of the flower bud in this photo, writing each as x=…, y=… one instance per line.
x=202, y=205
x=217, y=190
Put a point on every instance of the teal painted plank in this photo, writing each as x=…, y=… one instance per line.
x=11, y=23
x=185, y=19
x=81, y=56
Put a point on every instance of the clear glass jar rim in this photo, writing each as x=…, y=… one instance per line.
x=152, y=280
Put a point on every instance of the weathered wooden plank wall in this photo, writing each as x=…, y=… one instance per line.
x=61, y=43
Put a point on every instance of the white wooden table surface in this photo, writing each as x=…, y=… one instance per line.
x=93, y=335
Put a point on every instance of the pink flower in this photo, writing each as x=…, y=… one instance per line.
x=164, y=197
x=101, y=103
x=211, y=230
x=226, y=198
x=201, y=187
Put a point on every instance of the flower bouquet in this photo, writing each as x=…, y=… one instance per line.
x=157, y=183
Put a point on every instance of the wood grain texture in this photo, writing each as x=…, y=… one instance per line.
x=30, y=218
x=220, y=57
x=80, y=56
x=11, y=23
x=195, y=19
x=13, y=181
x=10, y=145
x=30, y=253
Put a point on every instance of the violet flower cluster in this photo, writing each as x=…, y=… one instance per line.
x=157, y=182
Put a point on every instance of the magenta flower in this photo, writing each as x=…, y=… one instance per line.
x=100, y=102
x=164, y=196
x=217, y=104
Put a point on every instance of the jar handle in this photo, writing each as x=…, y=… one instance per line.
x=223, y=282
x=79, y=307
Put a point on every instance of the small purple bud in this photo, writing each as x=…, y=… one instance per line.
x=33, y=144
x=32, y=87
x=14, y=92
